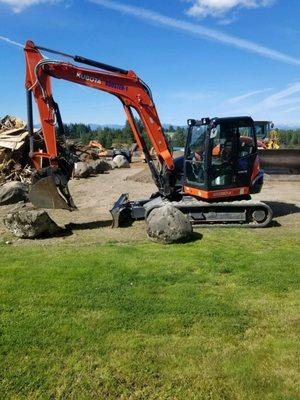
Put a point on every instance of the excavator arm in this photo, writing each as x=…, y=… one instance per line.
x=133, y=93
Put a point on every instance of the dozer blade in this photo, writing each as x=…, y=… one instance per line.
x=44, y=194
x=282, y=160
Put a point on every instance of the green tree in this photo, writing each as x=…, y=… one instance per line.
x=295, y=139
x=179, y=137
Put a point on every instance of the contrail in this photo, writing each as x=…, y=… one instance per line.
x=152, y=16
x=282, y=98
x=6, y=39
x=247, y=95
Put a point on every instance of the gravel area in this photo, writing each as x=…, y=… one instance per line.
x=95, y=196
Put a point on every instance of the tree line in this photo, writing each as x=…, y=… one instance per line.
x=120, y=137
x=289, y=138
x=176, y=136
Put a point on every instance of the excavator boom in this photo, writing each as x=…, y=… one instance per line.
x=133, y=93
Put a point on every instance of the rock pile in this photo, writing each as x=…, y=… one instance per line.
x=95, y=151
x=86, y=169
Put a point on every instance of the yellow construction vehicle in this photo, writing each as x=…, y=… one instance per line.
x=273, y=140
x=267, y=136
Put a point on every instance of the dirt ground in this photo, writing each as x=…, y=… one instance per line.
x=95, y=196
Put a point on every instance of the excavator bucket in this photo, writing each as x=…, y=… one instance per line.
x=45, y=194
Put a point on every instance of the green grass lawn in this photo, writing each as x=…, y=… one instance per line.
x=211, y=319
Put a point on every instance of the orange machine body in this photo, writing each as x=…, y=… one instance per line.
x=129, y=89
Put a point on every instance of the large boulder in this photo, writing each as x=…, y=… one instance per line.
x=100, y=166
x=120, y=161
x=13, y=192
x=166, y=224
x=82, y=170
x=29, y=224
x=123, y=152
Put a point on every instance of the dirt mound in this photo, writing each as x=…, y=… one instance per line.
x=142, y=176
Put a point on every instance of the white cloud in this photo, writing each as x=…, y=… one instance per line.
x=217, y=8
x=245, y=96
x=283, y=94
x=275, y=106
x=280, y=99
x=292, y=109
x=19, y=5
x=197, y=29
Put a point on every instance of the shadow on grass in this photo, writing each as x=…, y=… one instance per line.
x=195, y=237
x=273, y=224
x=62, y=232
x=88, y=225
x=281, y=209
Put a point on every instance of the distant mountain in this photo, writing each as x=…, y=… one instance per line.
x=117, y=126
x=287, y=126
x=167, y=126
x=96, y=126
x=93, y=126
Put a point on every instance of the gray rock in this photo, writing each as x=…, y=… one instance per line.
x=167, y=225
x=112, y=165
x=13, y=192
x=120, y=161
x=82, y=170
x=29, y=224
x=100, y=166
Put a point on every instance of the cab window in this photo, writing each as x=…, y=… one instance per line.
x=246, y=141
x=196, y=144
x=221, y=143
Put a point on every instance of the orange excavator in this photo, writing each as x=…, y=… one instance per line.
x=211, y=183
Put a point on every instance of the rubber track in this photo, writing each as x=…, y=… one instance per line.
x=185, y=206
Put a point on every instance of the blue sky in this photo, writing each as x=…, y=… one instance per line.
x=200, y=57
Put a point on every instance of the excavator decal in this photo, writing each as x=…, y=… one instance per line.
x=88, y=78
x=116, y=85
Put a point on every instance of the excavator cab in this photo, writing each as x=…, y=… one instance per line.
x=220, y=155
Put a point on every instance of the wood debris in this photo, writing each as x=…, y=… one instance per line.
x=14, y=161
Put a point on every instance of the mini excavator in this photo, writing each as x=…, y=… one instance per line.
x=211, y=183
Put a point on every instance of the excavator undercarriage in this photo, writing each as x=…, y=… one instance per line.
x=238, y=213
